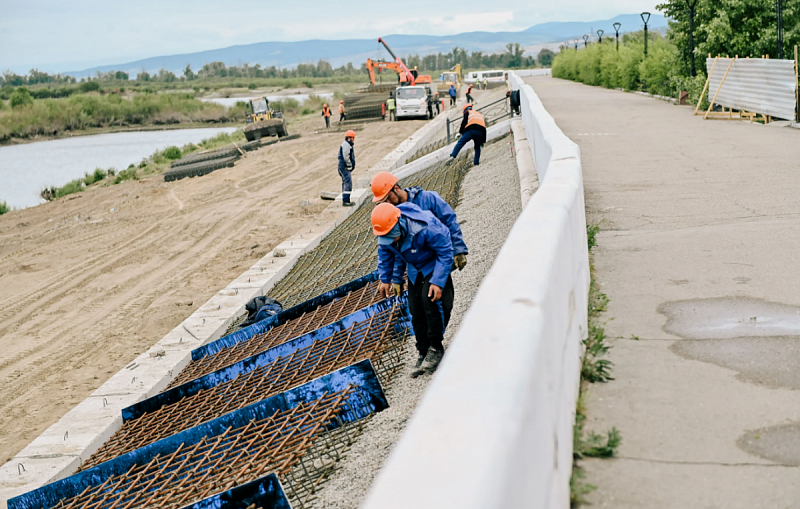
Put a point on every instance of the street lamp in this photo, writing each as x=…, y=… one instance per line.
x=616, y=29
x=576, y=43
x=646, y=18
x=779, y=16
x=600, y=36
x=585, y=40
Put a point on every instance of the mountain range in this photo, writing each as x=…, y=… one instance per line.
x=340, y=52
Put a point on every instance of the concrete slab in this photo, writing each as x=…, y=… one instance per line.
x=689, y=209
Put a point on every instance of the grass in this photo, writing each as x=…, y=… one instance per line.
x=595, y=368
x=158, y=162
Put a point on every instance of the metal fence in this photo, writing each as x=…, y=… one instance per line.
x=766, y=86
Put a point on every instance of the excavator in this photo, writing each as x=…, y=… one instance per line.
x=452, y=77
x=412, y=77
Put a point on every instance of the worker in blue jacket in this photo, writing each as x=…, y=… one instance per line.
x=385, y=188
x=347, y=163
x=453, y=92
x=411, y=239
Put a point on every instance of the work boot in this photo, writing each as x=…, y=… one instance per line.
x=417, y=371
x=420, y=358
x=431, y=362
x=348, y=204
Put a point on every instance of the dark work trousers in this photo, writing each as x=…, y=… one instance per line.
x=342, y=117
x=327, y=122
x=347, y=184
x=452, y=101
x=470, y=99
x=477, y=138
x=429, y=318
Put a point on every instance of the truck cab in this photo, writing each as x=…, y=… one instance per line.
x=412, y=102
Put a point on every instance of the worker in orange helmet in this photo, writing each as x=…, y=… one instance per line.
x=347, y=163
x=326, y=112
x=411, y=239
x=385, y=189
x=342, y=115
x=473, y=128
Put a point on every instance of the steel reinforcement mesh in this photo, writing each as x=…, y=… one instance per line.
x=237, y=456
x=350, y=250
x=380, y=339
x=321, y=316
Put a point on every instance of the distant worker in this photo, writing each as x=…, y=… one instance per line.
x=473, y=127
x=485, y=83
x=385, y=189
x=347, y=163
x=326, y=112
x=452, y=91
x=411, y=239
x=391, y=105
x=469, y=94
x=438, y=102
x=342, y=116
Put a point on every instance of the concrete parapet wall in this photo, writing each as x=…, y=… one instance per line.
x=496, y=422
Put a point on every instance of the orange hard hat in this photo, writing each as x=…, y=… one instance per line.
x=384, y=217
x=382, y=183
x=465, y=107
x=350, y=134
x=341, y=102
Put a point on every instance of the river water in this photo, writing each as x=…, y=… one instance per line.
x=231, y=101
x=27, y=169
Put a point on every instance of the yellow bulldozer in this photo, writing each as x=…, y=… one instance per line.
x=452, y=77
x=263, y=121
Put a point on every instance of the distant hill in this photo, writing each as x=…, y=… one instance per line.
x=340, y=52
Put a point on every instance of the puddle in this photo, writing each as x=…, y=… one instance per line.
x=780, y=444
x=766, y=361
x=728, y=317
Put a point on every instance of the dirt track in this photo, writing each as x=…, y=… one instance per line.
x=89, y=281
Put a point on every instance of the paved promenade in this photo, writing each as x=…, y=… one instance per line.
x=700, y=257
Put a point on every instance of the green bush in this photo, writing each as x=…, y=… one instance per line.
x=74, y=186
x=89, y=86
x=98, y=175
x=129, y=174
x=252, y=86
x=4, y=208
x=172, y=153
x=21, y=97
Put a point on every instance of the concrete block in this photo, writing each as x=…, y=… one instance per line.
x=37, y=472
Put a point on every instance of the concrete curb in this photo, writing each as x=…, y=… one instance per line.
x=60, y=449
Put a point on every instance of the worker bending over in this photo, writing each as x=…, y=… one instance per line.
x=412, y=239
x=385, y=189
x=473, y=127
x=469, y=94
x=326, y=112
x=342, y=115
x=347, y=163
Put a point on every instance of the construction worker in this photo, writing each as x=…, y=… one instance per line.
x=342, y=115
x=453, y=92
x=473, y=127
x=326, y=112
x=485, y=83
x=412, y=239
x=438, y=103
x=469, y=94
x=391, y=105
x=385, y=189
x=347, y=163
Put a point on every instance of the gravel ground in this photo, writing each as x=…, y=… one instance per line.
x=489, y=206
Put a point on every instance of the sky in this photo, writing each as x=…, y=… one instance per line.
x=58, y=35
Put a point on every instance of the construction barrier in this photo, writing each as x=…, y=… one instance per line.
x=755, y=85
x=496, y=423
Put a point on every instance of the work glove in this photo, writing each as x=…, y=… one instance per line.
x=461, y=261
x=397, y=288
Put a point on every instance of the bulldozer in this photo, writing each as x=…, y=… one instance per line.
x=452, y=77
x=263, y=121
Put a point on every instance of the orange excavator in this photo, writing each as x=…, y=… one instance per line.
x=407, y=76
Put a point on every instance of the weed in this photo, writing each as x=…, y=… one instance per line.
x=578, y=487
x=172, y=153
x=635, y=337
x=4, y=208
x=594, y=368
x=591, y=234
x=598, y=446
x=98, y=175
x=72, y=187
x=129, y=174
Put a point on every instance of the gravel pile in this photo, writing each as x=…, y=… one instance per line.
x=490, y=204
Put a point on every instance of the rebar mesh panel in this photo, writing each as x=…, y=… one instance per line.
x=380, y=339
x=218, y=463
x=275, y=336
x=350, y=251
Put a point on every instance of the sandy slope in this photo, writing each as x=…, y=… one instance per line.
x=91, y=280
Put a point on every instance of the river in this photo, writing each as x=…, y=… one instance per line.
x=27, y=169
x=231, y=101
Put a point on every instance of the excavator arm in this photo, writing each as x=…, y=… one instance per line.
x=374, y=64
x=409, y=75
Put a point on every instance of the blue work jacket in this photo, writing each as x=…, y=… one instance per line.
x=425, y=248
x=347, y=156
x=452, y=91
x=432, y=202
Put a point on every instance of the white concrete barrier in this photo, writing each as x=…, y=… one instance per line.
x=494, y=429
x=525, y=73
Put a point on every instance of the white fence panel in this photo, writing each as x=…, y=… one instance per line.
x=757, y=85
x=494, y=429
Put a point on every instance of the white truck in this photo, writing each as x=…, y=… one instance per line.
x=413, y=102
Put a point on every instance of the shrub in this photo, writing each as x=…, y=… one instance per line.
x=98, y=175
x=129, y=174
x=21, y=97
x=172, y=153
x=74, y=186
x=4, y=208
x=252, y=86
x=89, y=86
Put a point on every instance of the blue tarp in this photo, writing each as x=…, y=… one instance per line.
x=265, y=493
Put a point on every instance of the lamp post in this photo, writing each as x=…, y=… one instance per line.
x=691, y=4
x=576, y=43
x=600, y=36
x=616, y=29
x=646, y=18
x=779, y=19
x=585, y=40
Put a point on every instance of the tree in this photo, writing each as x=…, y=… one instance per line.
x=21, y=97
x=514, y=54
x=546, y=58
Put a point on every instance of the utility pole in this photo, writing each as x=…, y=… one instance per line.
x=646, y=18
x=691, y=4
x=779, y=18
x=617, y=26
x=600, y=36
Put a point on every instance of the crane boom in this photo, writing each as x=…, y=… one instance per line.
x=409, y=75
